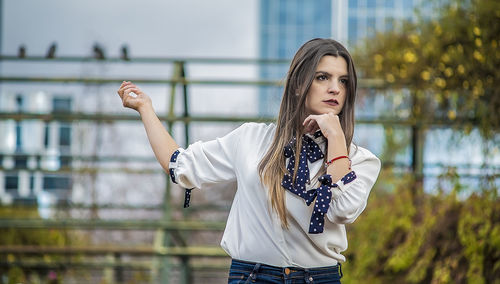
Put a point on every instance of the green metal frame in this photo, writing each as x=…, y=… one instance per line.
x=165, y=229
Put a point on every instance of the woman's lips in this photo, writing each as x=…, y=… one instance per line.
x=331, y=102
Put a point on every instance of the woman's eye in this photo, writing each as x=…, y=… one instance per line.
x=344, y=81
x=321, y=77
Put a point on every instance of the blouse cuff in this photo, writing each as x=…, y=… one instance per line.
x=173, y=164
x=338, y=190
x=171, y=170
x=322, y=197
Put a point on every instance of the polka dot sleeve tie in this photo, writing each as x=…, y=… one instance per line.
x=187, y=193
x=323, y=195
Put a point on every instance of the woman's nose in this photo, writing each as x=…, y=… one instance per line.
x=334, y=88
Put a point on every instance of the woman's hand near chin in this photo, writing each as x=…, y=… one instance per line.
x=328, y=123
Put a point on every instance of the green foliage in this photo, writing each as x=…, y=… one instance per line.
x=431, y=238
x=449, y=62
x=26, y=237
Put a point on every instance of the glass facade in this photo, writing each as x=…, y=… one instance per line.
x=284, y=26
x=365, y=17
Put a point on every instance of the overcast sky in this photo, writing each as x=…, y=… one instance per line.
x=167, y=28
x=191, y=28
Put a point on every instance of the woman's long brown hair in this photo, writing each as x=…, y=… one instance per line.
x=292, y=113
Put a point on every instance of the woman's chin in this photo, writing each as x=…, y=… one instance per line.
x=329, y=110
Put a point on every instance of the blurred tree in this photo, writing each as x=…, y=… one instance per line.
x=446, y=239
x=450, y=62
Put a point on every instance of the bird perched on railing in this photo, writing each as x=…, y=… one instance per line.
x=51, y=53
x=98, y=52
x=124, y=52
x=21, y=53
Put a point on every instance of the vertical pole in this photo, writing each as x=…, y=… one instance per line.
x=186, y=101
x=185, y=268
x=108, y=273
x=1, y=42
x=1, y=26
x=162, y=237
x=119, y=275
x=417, y=140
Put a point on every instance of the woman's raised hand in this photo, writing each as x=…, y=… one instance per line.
x=133, y=97
x=328, y=123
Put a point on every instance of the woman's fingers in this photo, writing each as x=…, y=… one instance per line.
x=308, y=119
x=310, y=124
x=135, y=90
x=127, y=99
x=128, y=96
x=132, y=96
x=126, y=89
x=121, y=88
x=321, y=122
x=307, y=123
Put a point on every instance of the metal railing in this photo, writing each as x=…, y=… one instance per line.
x=167, y=231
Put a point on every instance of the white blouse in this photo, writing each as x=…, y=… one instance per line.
x=253, y=230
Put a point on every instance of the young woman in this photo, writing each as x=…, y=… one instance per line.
x=298, y=180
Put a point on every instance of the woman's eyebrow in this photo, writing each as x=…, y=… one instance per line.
x=326, y=73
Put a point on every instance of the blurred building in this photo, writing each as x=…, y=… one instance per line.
x=286, y=24
x=32, y=151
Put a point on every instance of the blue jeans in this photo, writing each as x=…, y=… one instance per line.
x=249, y=272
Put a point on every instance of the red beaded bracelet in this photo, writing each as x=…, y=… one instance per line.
x=338, y=158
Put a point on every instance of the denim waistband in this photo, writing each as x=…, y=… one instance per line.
x=308, y=274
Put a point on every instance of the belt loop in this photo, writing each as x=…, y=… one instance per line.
x=308, y=278
x=340, y=270
x=253, y=274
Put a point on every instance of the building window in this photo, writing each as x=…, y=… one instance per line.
x=389, y=24
x=46, y=136
x=61, y=104
x=353, y=30
x=19, y=130
x=371, y=4
x=56, y=182
x=65, y=135
x=370, y=26
x=21, y=162
x=11, y=183
x=408, y=6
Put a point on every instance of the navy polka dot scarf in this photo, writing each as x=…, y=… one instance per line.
x=311, y=152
